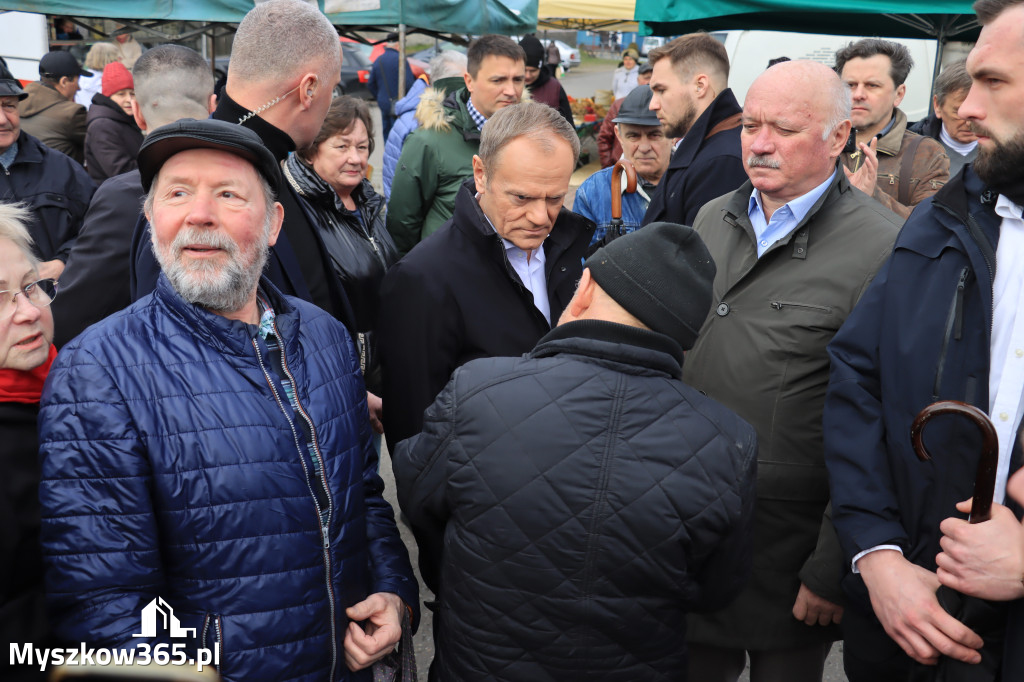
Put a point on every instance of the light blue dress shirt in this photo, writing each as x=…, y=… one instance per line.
x=531, y=272
x=785, y=218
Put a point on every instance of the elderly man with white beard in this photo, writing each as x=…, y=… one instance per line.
x=208, y=448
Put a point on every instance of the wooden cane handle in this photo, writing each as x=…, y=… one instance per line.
x=988, y=462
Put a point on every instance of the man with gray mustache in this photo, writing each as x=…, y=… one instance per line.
x=796, y=245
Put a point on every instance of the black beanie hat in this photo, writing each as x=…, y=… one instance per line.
x=662, y=275
x=534, y=51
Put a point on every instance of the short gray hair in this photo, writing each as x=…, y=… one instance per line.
x=840, y=106
x=447, y=64
x=281, y=39
x=14, y=221
x=953, y=79
x=172, y=82
x=530, y=119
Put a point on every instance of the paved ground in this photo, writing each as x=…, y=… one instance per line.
x=582, y=81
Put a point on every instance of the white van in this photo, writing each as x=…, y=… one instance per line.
x=24, y=39
x=750, y=51
x=651, y=42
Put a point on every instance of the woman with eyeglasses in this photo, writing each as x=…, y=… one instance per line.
x=26, y=352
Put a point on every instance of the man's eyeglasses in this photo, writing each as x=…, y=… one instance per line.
x=39, y=293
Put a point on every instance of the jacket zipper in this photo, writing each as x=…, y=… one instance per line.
x=974, y=229
x=324, y=524
x=779, y=305
x=205, y=641
x=954, y=329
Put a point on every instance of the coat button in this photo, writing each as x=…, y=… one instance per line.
x=563, y=268
x=722, y=310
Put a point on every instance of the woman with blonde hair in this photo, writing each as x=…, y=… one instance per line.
x=98, y=57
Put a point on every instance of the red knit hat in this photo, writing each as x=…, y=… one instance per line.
x=116, y=77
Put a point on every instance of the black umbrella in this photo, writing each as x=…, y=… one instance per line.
x=987, y=619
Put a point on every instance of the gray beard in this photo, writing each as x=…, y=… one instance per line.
x=218, y=288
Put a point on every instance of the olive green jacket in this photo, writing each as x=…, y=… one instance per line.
x=762, y=353
x=436, y=159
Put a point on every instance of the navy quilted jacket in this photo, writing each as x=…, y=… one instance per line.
x=576, y=503
x=171, y=469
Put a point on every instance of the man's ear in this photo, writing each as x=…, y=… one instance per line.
x=901, y=91
x=936, y=107
x=839, y=136
x=140, y=120
x=479, y=174
x=275, y=226
x=308, y=87
x=584, y=296
x=212, y=106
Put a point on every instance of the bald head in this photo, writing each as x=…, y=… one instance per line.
x=820, y=85
x=795, y=125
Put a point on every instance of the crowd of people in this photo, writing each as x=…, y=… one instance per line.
x=665, y=445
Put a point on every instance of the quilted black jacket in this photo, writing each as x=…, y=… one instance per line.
x=572, y=506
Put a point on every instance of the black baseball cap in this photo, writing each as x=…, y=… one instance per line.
x=180, y=136
x=59, y=64
x=11, y=88
x=635, y=108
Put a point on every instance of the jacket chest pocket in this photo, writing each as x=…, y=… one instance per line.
x=800, y=325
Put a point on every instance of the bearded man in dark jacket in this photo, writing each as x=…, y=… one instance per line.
x=691, y=96
x=577, y=502
x=942, y=321
x=495, y=277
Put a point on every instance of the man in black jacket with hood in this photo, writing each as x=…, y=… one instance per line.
x=572, y=505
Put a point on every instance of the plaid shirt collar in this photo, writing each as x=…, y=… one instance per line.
x=478, y=118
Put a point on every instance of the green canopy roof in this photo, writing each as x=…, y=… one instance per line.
x=449, y=16
x=942, y=19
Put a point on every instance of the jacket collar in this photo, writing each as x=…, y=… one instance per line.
x=611, y=342
x=455, y=106
x=891, y=142
x=721, y=108
x=229, y=337
x=469, y=219
x=29, y=150
x=275, y=139
x=739, y=202
x=965, y=207
x=309, y=185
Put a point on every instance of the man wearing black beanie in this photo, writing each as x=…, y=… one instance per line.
x=576, y=503
x=539, y=81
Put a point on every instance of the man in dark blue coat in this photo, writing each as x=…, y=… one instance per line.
x=940, y=322
x=693, y=101
x=575, y=503
x=384, y=81
x=55, y=187
x=207, y=450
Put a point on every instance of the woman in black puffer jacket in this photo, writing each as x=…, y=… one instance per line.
x=112, y=138
x=330, y=178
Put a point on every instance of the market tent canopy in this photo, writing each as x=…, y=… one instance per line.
x=940, y=19
x=450, y=16
x=587, y=15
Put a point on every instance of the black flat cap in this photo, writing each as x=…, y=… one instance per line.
x=58, y=64
x=180, y=136
x=635, y=108
x=11, y=88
